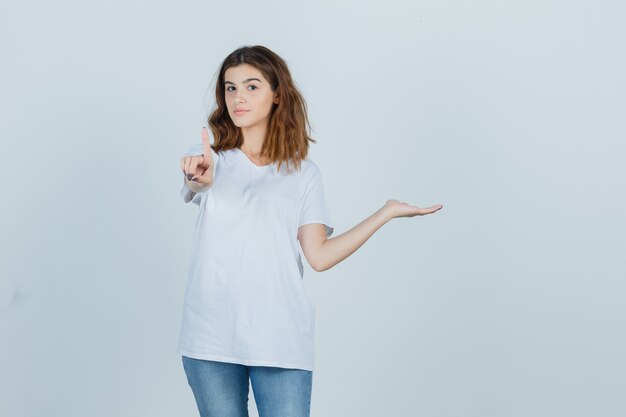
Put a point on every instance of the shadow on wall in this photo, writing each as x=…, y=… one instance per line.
x=9, y=296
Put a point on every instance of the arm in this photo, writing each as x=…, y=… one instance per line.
x=191, y=189
x=323, y=253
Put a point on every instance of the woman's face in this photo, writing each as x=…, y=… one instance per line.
x=246, y=89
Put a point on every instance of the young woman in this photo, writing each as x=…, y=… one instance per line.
x=247, y=317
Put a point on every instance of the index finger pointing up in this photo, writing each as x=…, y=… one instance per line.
x=206, y=145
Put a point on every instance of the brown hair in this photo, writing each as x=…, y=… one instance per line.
x=287, y=138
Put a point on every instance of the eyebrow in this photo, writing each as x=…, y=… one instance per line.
x=244, y=81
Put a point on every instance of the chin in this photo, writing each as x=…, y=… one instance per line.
x=240, y=125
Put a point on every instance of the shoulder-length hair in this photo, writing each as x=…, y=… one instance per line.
x=287, y=138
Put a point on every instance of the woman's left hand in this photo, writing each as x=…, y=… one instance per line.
x=395, y=208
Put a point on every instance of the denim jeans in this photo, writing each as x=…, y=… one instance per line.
x=221, y=389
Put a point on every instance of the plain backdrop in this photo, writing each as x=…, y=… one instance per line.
x=510, y=301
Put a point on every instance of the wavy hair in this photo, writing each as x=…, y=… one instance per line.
x=287, y=137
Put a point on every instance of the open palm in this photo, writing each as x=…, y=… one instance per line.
x=401, y=209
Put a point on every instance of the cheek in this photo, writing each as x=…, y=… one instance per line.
x=269, y=101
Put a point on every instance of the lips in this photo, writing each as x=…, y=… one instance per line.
x=240, y=112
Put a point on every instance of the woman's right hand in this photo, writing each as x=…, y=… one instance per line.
x=198, y=169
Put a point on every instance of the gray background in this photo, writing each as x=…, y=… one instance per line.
x=507, y=302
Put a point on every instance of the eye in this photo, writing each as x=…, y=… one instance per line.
x=251, y=85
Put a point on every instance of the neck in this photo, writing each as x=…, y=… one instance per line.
x=253, y=138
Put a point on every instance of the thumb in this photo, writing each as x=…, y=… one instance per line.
x=206, y=177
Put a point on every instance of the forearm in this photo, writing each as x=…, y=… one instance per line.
x=338, y=248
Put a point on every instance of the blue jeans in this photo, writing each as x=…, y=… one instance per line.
x=221, y=389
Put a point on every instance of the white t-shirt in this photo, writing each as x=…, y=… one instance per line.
x=245, y=300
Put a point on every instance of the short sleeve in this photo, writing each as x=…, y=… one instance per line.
x=313, y=208
x=186, y=193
